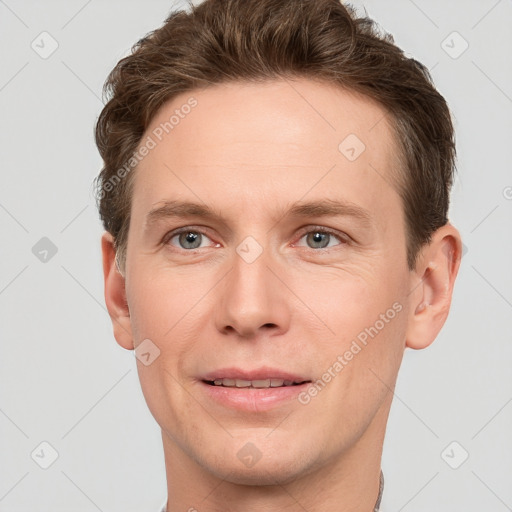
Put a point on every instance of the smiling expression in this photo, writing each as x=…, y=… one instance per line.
x=258, y=250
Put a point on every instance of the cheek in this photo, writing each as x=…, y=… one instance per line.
x=161, y=300
x=373, y=349
x=365, y=358
x=345, y=299
x=365, y=321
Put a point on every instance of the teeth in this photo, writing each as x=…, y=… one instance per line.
x=264, y=383
x=261, y=383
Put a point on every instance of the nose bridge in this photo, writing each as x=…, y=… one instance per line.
x=252, y=298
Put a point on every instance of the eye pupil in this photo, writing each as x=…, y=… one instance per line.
x=318, y=240
x=190, y=240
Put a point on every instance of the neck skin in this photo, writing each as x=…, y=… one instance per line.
x=350, y=483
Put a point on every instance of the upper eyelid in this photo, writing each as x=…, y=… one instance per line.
x=184, y=229
x=322, y=229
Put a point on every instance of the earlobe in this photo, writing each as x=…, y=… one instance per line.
x=432, y=285
x=115, y=294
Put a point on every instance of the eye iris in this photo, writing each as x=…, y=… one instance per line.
x=318, y=240
x=190, y=240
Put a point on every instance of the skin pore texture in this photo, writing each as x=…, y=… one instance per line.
x=250, y=153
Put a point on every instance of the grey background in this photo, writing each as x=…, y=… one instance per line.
x=64, y=380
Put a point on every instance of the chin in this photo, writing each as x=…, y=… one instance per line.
x=261, y=474
x=272, y=465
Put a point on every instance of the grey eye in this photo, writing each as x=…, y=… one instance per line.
x=190, y=240
x=317, y=239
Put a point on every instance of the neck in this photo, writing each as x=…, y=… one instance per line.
x=348, y=482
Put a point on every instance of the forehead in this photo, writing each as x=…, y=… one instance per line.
x=239, y=138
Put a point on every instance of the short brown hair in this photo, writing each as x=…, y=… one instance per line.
x=254, y=40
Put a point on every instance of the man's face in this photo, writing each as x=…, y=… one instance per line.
x=264, y=290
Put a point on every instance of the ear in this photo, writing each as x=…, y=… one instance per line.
x=115, y=294
x=432, y=286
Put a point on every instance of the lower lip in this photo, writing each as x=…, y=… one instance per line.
x=253, y=399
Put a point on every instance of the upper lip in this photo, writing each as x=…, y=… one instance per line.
x=254, y=374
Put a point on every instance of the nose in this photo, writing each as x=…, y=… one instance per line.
x=252, y=300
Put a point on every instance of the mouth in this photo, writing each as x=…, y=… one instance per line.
x=251, y=391
x=255, y=384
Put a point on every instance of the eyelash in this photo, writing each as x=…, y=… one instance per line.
x=342, y=238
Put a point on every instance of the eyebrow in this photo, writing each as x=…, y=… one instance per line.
x=320, y=208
